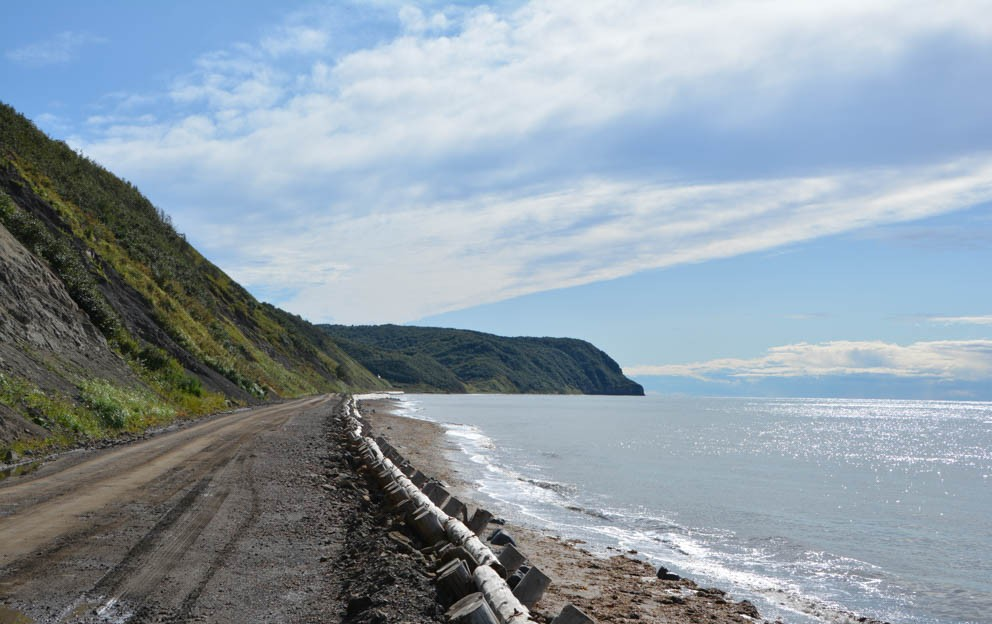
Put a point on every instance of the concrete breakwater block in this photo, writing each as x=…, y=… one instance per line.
x=480, y=520
x=531, y=587
x=395, y=493
x=501, y=538
x=511, y=558
x=571, y=614
x=513, y=579
x=450, y=552
x=384, y=446
x=427, y=525
x=472, y=609
x=419, y=479
x=406, y=468
x=455, y=508
x=454, y=582
x=436, y=493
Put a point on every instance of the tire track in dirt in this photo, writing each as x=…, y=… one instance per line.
x=66, y=499
x=160, y=494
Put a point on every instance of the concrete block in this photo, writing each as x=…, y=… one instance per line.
x=428, y=526
x=501, y=538
x=479, y=522
x=571, y=614
x=454, y=508
x=530, y=589
x=472, y=609
x=454, y=582
x=511, y=558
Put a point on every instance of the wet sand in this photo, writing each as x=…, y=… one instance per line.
x=619, y=588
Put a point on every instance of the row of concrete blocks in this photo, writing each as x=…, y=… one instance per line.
x=467, y=563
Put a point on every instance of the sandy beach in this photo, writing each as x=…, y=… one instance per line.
x=617, y=588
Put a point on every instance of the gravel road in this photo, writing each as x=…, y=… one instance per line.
x=248, y=516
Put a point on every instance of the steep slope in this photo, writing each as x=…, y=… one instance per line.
x=454, y=360
x=98, y=285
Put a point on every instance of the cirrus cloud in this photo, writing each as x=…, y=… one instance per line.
x=483, y=154
x=62, y=48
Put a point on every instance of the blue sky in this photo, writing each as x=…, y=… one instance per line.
x=728, y=197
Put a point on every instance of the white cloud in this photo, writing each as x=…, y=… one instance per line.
x=296, y=40
x=963, y=360
x=397, y=181
x=961, y=320
x=62, y=48
x=403, y=265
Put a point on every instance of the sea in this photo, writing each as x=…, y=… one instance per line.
x=816, y=510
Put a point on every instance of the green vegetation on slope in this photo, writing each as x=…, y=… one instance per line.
x=453, y=360
x=192, y=335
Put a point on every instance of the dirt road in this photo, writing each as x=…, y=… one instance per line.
x=228, y=520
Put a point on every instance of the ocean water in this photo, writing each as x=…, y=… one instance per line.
x=813, y=509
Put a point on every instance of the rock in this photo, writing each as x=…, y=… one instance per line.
x=357, y=605
x=11, y=456
x=744, y=607
x=665, y=575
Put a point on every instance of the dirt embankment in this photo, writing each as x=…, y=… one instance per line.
x=44, y=336
x=245, y=517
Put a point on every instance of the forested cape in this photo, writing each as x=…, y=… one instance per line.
x=452, y=360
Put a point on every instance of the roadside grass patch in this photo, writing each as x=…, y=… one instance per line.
x=124, y=408
x=54, y=412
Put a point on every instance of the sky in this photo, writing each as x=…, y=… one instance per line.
x=729, y=198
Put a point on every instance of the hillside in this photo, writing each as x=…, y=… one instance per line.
x=110, y=320
x=453, y=360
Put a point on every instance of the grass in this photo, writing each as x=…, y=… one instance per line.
x=102, y=410
x=124, y=409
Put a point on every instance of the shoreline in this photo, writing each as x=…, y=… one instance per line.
x=617, y=588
